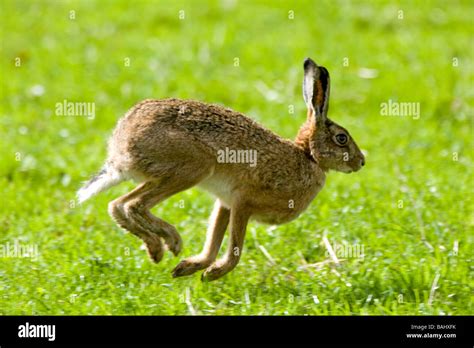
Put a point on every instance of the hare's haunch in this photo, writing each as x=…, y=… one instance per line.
x=171, y=145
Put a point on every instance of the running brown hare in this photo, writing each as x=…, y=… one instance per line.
x=172, y=145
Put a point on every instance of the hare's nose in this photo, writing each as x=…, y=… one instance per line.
x=362, y=162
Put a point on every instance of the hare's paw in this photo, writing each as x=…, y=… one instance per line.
x=174, y=243
x=154, y=248
x=217, y=270
x=190, y=266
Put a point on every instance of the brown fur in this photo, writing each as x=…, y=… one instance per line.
x=171, y=145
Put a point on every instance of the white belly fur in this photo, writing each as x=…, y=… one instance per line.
x=220, y=187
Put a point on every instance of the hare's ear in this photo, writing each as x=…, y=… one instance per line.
x=316, y=89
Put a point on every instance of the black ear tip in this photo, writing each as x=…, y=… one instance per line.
x=308, y=62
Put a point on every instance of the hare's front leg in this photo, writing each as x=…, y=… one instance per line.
x=217, y=225
x=239, y=217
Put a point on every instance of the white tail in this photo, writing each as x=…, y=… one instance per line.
x=105, y=179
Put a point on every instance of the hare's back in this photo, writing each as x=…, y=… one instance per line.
x=218, y=126
x=154, y=127
x=209, y=122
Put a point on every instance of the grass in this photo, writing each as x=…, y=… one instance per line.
x=411, y=207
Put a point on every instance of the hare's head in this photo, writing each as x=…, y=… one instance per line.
x=330, y=144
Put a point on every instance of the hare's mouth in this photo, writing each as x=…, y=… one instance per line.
x=345, y=170
x=348, y=170
x=352, y=170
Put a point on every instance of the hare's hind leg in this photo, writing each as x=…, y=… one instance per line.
x=215, y=233
x=132, y=211
x=119, y=213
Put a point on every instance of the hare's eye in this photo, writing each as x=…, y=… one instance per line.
x=341, y=139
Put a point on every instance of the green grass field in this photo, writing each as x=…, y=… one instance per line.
x=410, y=208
